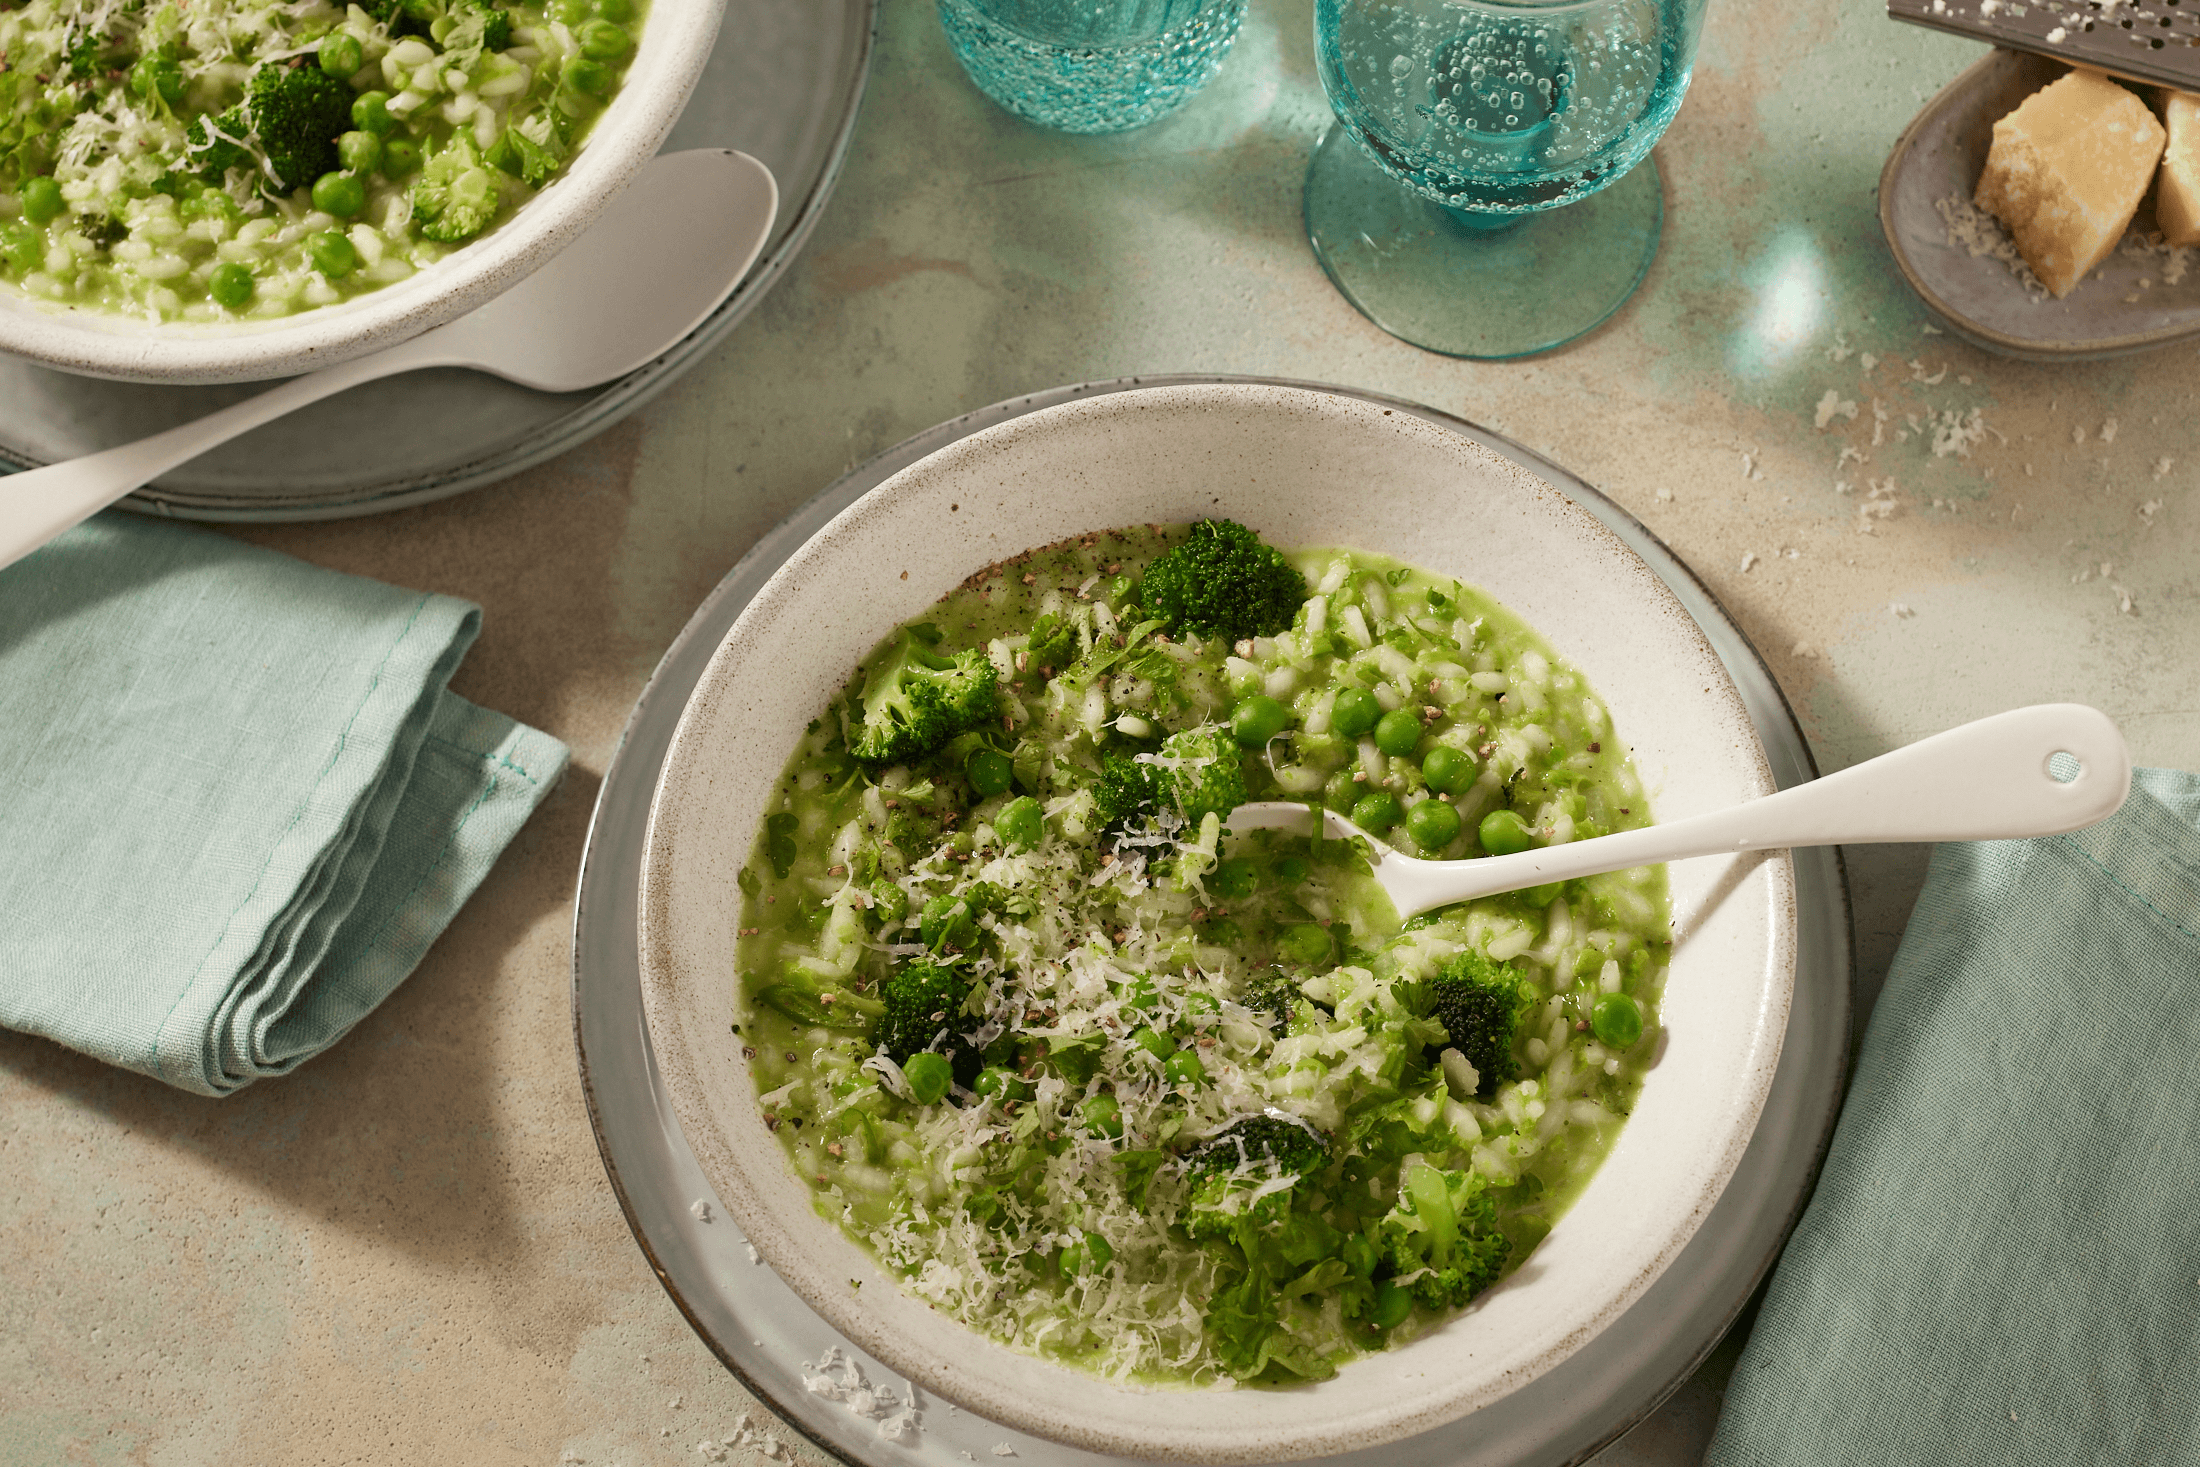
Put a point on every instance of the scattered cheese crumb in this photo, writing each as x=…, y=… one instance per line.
x=700, y=1210
x=2162, y=465
x=1003, y=1449
x=1666, y=495
x=1868, y=362
x=1749, y=558
x=1833, y=405
x=2057, y=36
x=2149, y=510
x=2077, y=433
x=2108, y=430
x=2124, y=602
x=1899, y=610
x=1803, y=649
x=1971, y=229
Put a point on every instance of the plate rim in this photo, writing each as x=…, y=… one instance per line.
x=1823, y=887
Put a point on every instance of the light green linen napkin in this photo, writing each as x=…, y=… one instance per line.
x=2001, y=1263
x=236, y=801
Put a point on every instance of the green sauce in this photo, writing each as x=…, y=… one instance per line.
x=1134, y=994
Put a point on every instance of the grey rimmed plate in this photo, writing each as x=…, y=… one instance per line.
x=766, y=1335
x=2130, y=308
x=783, y=84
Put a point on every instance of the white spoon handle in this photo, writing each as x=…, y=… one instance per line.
x=39, y=504
x=1987, y=780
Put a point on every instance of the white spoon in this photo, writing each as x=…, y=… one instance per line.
x=644, y=275
x=1987, y=780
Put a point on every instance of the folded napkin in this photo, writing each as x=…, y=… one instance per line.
x=2002, y=1261
x=236, y=802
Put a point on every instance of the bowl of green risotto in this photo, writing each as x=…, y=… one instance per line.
x=227, y=190
x=1125, y=1123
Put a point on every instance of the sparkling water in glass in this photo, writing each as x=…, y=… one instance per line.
x=1506, y=108
x=1480, y=193
x=1091, y=65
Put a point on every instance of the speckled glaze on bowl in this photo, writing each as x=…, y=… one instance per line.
x=1302, y=468
x=676, y=41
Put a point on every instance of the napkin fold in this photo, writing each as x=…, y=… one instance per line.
x=2001, y=1263
x=237, y=802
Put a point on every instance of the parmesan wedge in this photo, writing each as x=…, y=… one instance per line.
x=2177, y=196
x=2066, y=172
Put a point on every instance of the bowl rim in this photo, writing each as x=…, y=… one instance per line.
x=675, y=45
x=1751, y=1078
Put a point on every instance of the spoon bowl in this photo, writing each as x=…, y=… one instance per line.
x=651, y=268
x=1999, y=778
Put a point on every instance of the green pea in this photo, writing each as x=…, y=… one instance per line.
x=592, y=77
x=1101, y=1116
x=400, y=156
x=1398, y=732
x=360, y=152
x=1198, y=1006
x=1361, y=1255
x=572, y=12
x=1257, y=720
x=157, y=76
x=947, y=921
x=1432, y=824
x=1616, y=1021
x=1305, y=944
x=929, y=1075
x=341, y=54
x=1447, y=770
x=370, y=112
x=1355, y=712
x=889, y=901
x=1392, y=1305
x=998, y=1082
x=332, y=254
x=603, y=40
x=1503, y=833
x=989, y=772
x=230, y=285
x=42, y=201
x=1184, y=1068
x=1234, y=880
x=620, y=11
x=23, y=247
x=1021, y=824
x=1140, y=997
x=1292, y=870
x=1089, y=1254
x=1377, y=812
x=341, y=194
x=1154, y=1042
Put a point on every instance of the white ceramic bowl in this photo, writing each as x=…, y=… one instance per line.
x=676, y=40
x=1302, y=468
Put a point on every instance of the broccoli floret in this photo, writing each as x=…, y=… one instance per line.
x=1211, y=776
x=924, y=1010
x=455, y=196
x=1274, y=991
x=1480, y=1005
x=1220, y=1184
x=916, y=700
x=293, y=110
x=1197, y=771
x=1223, y=582
x=1442, y=1242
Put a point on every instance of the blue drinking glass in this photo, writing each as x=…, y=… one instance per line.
x=1090, y=65
x=1479, y=194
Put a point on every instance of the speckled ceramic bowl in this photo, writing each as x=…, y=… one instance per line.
x=676, y=41
x=1302, y=468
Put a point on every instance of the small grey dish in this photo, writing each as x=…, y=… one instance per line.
x=782, y=84
x=768, y=1338
x=2127, y=306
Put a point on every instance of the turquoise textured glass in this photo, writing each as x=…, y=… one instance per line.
x=1479, y=194
x=1091, y=65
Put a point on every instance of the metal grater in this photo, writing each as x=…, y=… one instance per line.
x=2155, y=41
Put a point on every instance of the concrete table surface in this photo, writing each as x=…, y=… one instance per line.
x=407, y=1251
